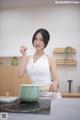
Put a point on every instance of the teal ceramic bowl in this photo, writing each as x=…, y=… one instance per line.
x=29, y=92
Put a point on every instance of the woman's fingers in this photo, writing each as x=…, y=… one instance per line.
x=23, y=50
x=53, y=87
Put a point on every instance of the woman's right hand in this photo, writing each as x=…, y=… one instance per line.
x=23, y=50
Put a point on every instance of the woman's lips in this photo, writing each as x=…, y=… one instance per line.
x=37, y=46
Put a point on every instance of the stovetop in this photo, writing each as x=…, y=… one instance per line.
x=42, y=106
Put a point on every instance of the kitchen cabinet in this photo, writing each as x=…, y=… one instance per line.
x=59, y=54
x=9, y=80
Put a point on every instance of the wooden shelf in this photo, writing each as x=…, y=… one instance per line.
x=62, y=50
x=63, y=62
x=60, y=57
x=71, y=95
x=8, y=60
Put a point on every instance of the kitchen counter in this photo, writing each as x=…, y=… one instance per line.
x=71, y=95
x=64, y=109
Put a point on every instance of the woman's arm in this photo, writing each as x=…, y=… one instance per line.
x=22, y=66
x=53, y=69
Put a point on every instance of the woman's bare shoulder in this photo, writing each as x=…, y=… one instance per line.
x=50, y=57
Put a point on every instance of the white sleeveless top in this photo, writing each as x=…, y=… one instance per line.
x=39, y=72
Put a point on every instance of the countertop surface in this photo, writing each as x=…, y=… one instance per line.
x=64, y=109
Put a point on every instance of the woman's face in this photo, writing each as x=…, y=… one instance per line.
x=39, y=42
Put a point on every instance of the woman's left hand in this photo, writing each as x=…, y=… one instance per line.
x=53, y=87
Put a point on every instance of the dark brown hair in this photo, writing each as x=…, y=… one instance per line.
x=45, y=34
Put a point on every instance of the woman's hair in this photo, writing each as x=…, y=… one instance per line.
x=45, y=34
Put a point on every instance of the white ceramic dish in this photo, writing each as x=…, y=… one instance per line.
x=8, y=99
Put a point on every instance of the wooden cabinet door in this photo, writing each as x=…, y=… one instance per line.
x=10, y=82
x=6, y=80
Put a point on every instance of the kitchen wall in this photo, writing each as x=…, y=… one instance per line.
x=17, y=25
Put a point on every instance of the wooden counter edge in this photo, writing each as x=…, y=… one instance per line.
x=71, y=95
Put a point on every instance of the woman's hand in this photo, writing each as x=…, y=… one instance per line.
x=53, y=87
x=23, y=50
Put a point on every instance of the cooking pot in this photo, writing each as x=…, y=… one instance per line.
x=32, y=92
x=29, y=92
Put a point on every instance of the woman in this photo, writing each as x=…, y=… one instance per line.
x=40, y=67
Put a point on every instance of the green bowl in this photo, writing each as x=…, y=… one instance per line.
x=29, y=92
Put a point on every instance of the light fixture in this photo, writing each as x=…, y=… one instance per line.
x=67, y=1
